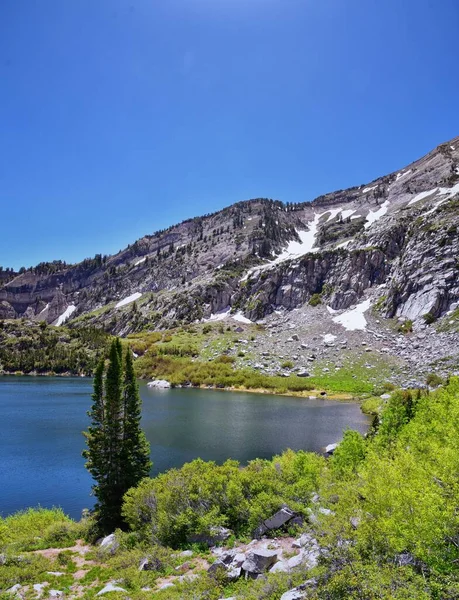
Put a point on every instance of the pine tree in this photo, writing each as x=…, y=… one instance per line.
x=118, y=454
x=136, y=463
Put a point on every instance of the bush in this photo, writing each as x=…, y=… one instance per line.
x=315, y=300
x=28, y=529
x=287, y=364
x=406, y=327
x=429, y=318
x=192, y=499
x=434, y=380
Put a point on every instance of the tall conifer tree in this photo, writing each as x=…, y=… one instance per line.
x=118, y=454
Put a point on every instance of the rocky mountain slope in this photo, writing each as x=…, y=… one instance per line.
x=391, y=245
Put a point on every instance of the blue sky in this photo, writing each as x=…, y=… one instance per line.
x=118, y=118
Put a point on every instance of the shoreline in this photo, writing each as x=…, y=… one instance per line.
x=313, y=394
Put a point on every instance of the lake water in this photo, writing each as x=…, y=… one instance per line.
x=41, y=421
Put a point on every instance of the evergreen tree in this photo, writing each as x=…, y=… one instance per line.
x=118, y=454
x=136, y=463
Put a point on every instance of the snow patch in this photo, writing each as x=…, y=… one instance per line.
x=355, y=318
x=128, y=300
x=42, y=311
x=374, y=216
x=435, y=206
x=218, y=316
x=356, y=217
x=343, y=244
x=331, y=310
x=68, y=312
x=305, y=245
x=139, y=262
x=329, y=338
x=333, y=212
x=368, y=189
x=422, y=195
x=347, y=213
x=400, y=175
x=240, y=317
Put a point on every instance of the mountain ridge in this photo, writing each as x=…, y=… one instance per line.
x=200, y=252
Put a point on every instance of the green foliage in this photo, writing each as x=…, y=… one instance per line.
x=406, y=326
x=315, y=300
x=433, y=380
x=34, y=347
x=287, y=364
x=349, y=454
x=34, y=529
x=404, y=496
x=186, y=501
x=429, y=318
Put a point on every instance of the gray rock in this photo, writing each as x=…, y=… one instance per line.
x=39, y=587
x=160, y=384
x=110, y=543
x=110, y=587
x=223, y=570
x=294, y=594
x=56, y=594
x=330, y=449
x=215, y=536
x=165, y=586
x=259, y=561
x=283, y=516
x=14, y=589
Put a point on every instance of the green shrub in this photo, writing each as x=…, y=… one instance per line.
x=190, y=500
x=287, y=364
x=406, y=327
x=429, y=318
x=434, y=380
x=315, y=300
x=35, y=528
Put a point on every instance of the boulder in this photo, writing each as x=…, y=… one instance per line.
x=159, y=384
x=224, y=571
x=280, y=567
x=259, y=561
x=300, y=592
x=303, y=374
x=55, y=594
x=150, y=564
x=283, y=516
x=6, y=310
x=279, y=519
x=110, y=587
x=110, y=543
x=15, y=589
x=295, y=594
x=213, y=537
x=330, y=449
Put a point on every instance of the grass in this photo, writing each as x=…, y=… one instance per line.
x=450, y=322
x=37, y=528
x=199, y=356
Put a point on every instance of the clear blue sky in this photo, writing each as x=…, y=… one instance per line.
x=120, y=117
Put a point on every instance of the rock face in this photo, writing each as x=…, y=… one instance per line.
x=261, y=256
x=6, y=310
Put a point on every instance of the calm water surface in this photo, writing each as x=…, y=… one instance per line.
x=41, y=420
